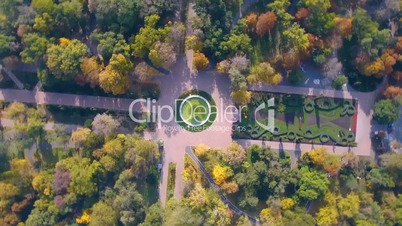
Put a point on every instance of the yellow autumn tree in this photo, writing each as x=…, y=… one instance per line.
x=317, y=156
x=79, y=136
x=193, y=42
x=201, y=150
x=287, y=203
x=328, y=214
x=349, y=206
x=221, y=173
x=115, y=78
x=84, y=219
x=241, y=97
x=200, y=61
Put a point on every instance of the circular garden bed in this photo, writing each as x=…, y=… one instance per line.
x=195, y=110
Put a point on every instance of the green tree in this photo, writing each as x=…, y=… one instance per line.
x=5, y=44
x=148, y=35
x=83, y=173
x=154, y=215
x=280, y=8
x=118, y=15
x=386, y=112
x=236, y=44
x=35, y=48
x=296, y=38
x=312, y=184
x=111, y=43
x=103, y=214
x=349, y=206
x=64, y=60
x=297, y=217
x=43, y=24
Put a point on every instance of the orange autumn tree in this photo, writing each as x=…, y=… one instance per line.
x=392, y=92
x=265, y=22
x=251, y=22
x=343, y=26
x=302, y=13
x=200, y=61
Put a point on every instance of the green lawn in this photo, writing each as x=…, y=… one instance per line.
x=195, y=110
x=301, y=119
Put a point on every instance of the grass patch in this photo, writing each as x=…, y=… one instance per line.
x=171, y=181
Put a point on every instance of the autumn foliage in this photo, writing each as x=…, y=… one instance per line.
x=265, y=22
x=251, y=21
x=302, y=13
x=343, y=26
x=200, y=61
x=392, y=91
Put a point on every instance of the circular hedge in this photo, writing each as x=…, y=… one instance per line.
x=324, y=138
x=309, y=107
x=191, y=97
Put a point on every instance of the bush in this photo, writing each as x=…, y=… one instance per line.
x=386, y=112
x=339, y=82
x=295, y=77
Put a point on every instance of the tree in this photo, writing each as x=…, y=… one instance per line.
x=111, y=43
x=264, y=73
x=162, y=54
x=43, y=6
x=312, y=184
x=103, y=214
x=296, y=38
x=141, y=155
x=386, y=112
x=193, y=42
x=200, y=61
x=90, y=72
x=234, y=154
x=5, y=44
x=153, y=215
x=279, y=7
x=148, y=35
x=128, y=202
x=236, y=44
x=327, y=215
x=297, y=217
x=349, y=206
x=104, y=124
x=201, y=150
x=339, y=82
x=241, y=97
x=221, y=173
x=157, y=7
x=35, y=48
x=144, y=71
x=120, y=16
x=237, y=80
x=115, y=78
x=79, y=136
x=251, y=22
x=43, y=24
x=64, y=60
x=265, y=22
x=371, y=39
x=83, y=173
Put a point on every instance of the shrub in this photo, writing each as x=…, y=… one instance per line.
x=339, y=82
x=386, y=112
x=295, y=77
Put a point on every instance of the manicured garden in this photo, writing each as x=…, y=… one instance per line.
x=195, y=110
x=302, y=119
